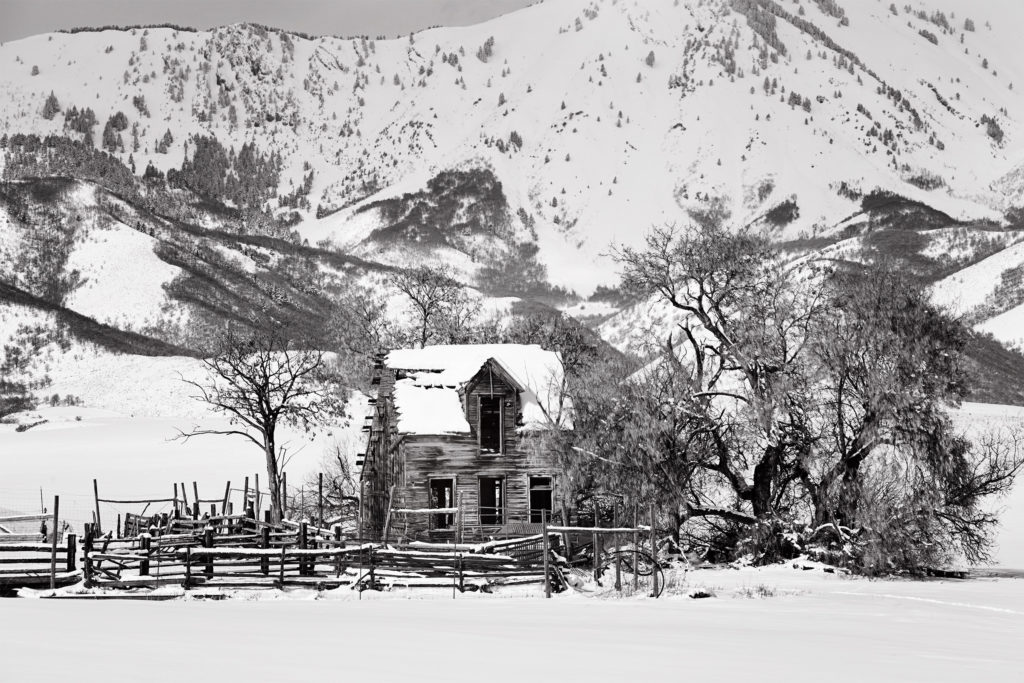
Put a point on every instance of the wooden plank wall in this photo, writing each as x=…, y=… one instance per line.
x=420, y=458
x=458, y=457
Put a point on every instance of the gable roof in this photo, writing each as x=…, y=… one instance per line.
x=427, y=399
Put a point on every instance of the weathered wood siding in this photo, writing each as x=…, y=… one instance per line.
x=459, y=458
x=490, y=381
x=410, y=461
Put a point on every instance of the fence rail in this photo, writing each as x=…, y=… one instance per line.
x=241, y=551
x=290, y=555
x=38, y=564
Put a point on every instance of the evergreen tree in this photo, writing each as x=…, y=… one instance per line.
x=51, y=107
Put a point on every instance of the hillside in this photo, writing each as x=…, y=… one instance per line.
x=596, y=119
x=159, y=181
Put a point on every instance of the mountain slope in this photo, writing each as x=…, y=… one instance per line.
x=246, y=164
x=877, y=104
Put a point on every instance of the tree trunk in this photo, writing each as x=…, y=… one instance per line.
x=765, y=473
x=848, y=503
x=678, y=519
x=273, y=478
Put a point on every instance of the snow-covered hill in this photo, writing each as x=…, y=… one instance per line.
x=545, y=136
x=597, y=118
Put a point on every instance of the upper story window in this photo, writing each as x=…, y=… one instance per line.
x=490, y=431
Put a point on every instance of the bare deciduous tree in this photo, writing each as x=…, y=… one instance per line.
x=262, y=381
x=801, y=407
x=438, y=299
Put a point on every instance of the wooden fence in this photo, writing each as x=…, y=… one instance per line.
x=38, y=564
x=239, y=551
x=243, y=553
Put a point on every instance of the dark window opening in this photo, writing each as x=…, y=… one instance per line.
x=442, y=495
x=492, y=500
x=540, y=498
x=490, y=424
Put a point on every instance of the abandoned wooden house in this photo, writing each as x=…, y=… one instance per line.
x=455, y=427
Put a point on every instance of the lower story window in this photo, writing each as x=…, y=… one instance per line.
x=540, y=499
x=442, y=495
x=492, y=500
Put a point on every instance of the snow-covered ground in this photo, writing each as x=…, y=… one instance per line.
x=772, y=624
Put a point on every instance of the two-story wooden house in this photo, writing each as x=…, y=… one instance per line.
x=453, y=427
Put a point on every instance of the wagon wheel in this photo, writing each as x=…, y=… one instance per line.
x=640, y=563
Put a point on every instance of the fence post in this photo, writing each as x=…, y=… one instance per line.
x=86, y=551
x=281, y=570
x=320, y=498
x=188, y=567
x=53, y=544
x=283, y=495
x=338, y=545
x=597, y=555
x=547, y=573
x=373, y=580
x=654, y=556
x=72, y=552
x=302, y=546
x=265, y=544
x=96, y=495
x=144, y=562
x=208, y=543
x=619, y=566
x=636, y=544
x=227, y=498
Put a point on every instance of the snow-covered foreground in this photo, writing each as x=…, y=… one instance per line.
x=814, y=627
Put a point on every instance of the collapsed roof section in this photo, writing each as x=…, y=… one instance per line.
x=429, y=386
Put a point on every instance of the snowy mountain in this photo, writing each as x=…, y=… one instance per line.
x=597, y=118
x=518, y=150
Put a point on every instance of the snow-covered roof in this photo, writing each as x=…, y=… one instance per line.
x=427, y=400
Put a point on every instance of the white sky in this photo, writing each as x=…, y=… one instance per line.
x=21, y=18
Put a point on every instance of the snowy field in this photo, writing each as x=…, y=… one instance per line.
x=811, y=626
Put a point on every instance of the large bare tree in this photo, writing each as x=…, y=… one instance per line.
x=744, y=324
x=889, y=467
x=440, y=303
x=805, y=405
x=263, y=381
